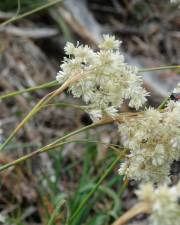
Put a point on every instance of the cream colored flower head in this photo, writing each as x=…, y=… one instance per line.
x=153, y=140
x=106, y=80
x=163, y=202
x=177, y=88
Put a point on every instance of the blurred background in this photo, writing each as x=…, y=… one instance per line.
x=31, y=51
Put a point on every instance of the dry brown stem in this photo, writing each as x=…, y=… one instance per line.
x=142, y=207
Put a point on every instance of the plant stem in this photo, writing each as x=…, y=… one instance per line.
x=31, y=89
x=38, y=107
x=55, y=144
x=159, y=68
x=55, y=83
x=44, y=6
x=163, y=103
x=123, y=187
x=56, y=212
x=51, y=95
x=60, y=141
x=142, y=207
x=90, y=194
x=63, y=104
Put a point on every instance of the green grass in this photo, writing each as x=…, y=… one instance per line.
x=84, y=190
x=83, y=174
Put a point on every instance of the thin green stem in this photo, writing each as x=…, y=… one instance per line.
x=123, y=187
x=31, y=89
x=55, y=144
x=90, y=194
x=159, y=68
x=55, y=83
x=18, y=17
x=37, y=108
x=161, y=106
x=25, y=120
x=46, y=99
x=63, y=104
x=18, y=7
x=50, y=96
x=56, y=212
x=163, y=103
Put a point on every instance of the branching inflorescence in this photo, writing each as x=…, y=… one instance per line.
x=163, y=203
x=153, y=138
x=106, y=79
x=154, y=142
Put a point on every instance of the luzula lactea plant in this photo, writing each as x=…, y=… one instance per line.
x=151, y=138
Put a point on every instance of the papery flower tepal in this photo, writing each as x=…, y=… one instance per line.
x=163, y=203
x=175, y=96
x=106, y=79
x=177, y=89
x=153, y=139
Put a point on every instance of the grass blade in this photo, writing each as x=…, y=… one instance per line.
x=59, y=205
x=86, y=199
x=159, y=68
x=31, y=89
x=18, y=17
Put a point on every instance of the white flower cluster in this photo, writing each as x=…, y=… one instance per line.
x=106, y=79
x=153, y=140
x=163, y=201
x=177, y=89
